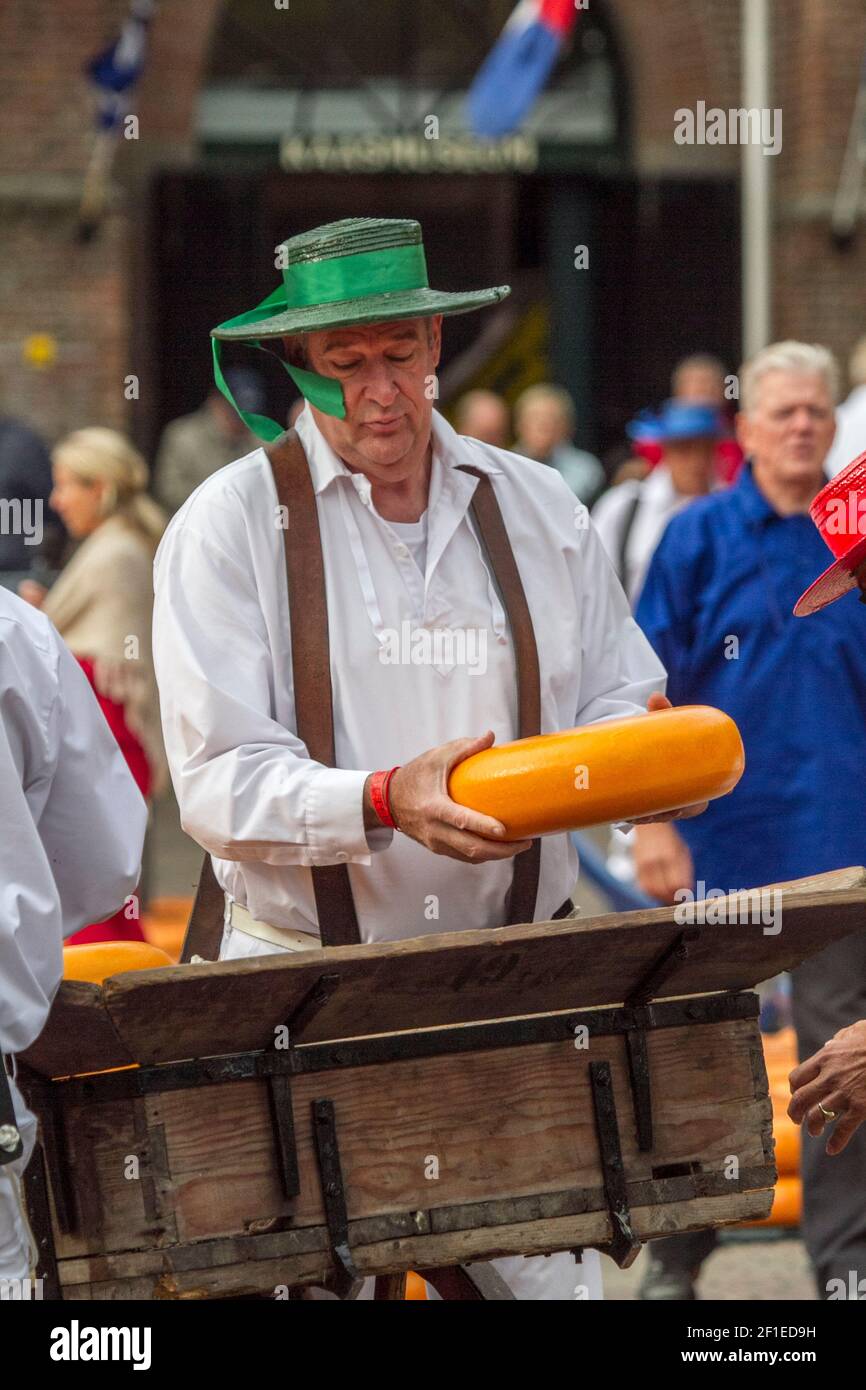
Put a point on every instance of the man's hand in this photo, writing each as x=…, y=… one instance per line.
x=662, y=862
x=32, y=593
x=422, y=808
x=835, y=1076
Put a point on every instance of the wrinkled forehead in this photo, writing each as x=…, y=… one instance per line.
x=369, y=335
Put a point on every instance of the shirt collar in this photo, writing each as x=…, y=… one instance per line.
x=659, y=485
x=450, y=448
x=754, y=505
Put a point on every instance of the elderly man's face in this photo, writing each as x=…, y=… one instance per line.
x=387, y=371
x=791, y=426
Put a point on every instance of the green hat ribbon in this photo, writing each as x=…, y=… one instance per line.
x=330, y=281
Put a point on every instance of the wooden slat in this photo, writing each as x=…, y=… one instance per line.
x=497, y=1123
x=79, y=1035
x=137, y=1277
x=460, y=977
x=423, y=1135
x=232, y=1006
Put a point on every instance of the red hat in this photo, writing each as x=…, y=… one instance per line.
x=839, y=512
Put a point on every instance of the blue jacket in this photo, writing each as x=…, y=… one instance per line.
x=716, y=606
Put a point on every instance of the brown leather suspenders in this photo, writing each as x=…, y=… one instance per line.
x=305, y=573
x=311, y=662
x=488, y=518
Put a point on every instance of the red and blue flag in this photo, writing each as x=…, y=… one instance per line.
x=516, y=70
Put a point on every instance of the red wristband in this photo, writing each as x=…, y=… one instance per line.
x=380, y=783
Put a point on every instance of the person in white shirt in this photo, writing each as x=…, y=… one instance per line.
x=631, y=517
x=402, y=559
x=850, y=438
x=73, y=827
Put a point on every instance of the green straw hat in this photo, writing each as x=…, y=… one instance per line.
x=358, y=271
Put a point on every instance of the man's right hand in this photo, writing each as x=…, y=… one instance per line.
x=662, y=861
x=422, y=808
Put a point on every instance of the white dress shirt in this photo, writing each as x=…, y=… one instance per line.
x=247, y=790
x=658, y=501
x=850, y=432
x=73, y=825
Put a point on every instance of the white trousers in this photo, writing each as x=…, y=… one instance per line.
x=15, y=1245
x=547, y=1277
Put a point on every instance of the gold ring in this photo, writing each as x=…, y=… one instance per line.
x=828, y=1114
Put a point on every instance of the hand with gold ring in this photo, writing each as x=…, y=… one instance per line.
x=830, y=1087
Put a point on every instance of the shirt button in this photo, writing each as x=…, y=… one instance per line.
x=341, y=856
x=402, y=551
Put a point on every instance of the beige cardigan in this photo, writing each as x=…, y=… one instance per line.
x=102, y=606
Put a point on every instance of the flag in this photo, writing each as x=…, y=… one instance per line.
x=116, y=70
x=114, y=73
x=515, y=71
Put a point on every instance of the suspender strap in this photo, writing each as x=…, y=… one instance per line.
x=311, y=675
x=311, y=661
x=205, y=926
x=629, y=519
x=488, y=518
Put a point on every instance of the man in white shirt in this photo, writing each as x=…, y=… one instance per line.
x=632, y=516
x=850, y=438
x=421, y=653
x=73, y=827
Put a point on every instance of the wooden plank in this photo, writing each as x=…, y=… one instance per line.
x=79, y=1035
x=190, y=1011
x=459, y=977
x=442, y=1131
x=116, y=1209
x=136, y=1276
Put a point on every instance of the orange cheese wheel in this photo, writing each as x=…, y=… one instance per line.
x=787, y=1137
x=616, y=770
x=96, y=960
x=787, y=1204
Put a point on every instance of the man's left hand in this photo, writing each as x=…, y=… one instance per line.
x=658, y=701
x=835, y=1076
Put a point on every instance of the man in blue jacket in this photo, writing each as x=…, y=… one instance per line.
x=717, y=607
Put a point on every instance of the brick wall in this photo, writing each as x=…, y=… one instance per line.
x=93, y=298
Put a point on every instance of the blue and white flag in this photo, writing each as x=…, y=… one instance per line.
x=515, y=71
x=116, y=70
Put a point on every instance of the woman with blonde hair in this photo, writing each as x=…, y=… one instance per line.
x=102, y=603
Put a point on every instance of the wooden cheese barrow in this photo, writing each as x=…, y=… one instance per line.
x=425, y=1104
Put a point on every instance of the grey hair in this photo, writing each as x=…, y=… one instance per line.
x=789, y=356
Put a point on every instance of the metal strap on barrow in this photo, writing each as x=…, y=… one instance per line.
x=11, y=1144
x=638, y=1015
